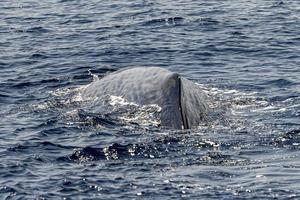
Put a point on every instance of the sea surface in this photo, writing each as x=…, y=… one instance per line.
x=244, y=54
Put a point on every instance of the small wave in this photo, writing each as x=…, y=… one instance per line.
x=207, y=21
x=111, y=152
x=29, y=146
x=37, y=29
x=63, y=1
x=277, y=4
x=87, y=154
x=156, y=147
x=25, y=84
x=5, y=98
x=39, y=56
x=164, y=21
x=82, y=21
x=278, y=83
x=290, y=139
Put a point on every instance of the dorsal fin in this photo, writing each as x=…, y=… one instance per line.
x=183, y=111
x=193, y=103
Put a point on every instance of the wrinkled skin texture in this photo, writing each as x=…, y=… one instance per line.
x=183, y=103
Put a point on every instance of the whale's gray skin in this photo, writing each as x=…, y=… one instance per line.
x=183, y=103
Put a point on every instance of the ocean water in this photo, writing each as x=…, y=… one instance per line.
x=244, y=54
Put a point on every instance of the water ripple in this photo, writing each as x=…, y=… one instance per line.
x=245, y=56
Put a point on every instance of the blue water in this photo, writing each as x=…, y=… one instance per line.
x=244, y=54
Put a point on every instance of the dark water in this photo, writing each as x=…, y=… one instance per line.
x=245, y=54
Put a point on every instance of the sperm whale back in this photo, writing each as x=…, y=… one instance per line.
x=182, y=102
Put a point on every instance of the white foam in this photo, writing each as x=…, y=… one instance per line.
x=95, y=77
x=117, y=100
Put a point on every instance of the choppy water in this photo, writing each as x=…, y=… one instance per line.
x=245, y=54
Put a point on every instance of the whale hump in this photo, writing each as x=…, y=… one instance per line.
x=182, y=102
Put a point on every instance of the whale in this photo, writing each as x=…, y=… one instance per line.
x=183, y=103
